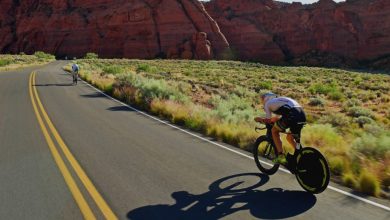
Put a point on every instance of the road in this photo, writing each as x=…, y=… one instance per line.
x=113, y=162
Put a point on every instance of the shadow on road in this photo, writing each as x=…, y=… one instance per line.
x=120, y=108
x=54, y=84
x=94, y=95
x=229, y=195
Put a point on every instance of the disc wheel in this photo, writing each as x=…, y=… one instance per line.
x=312, y=170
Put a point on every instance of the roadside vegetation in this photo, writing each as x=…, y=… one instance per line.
x=9, y=62
x=348, y=112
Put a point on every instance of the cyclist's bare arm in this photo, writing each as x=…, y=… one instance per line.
x=267, y=120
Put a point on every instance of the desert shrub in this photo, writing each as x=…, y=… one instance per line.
x=301, y=79
x=43, y=55
x=336, y=120
x=143, y=68
x=349, y=180
x=152, y=88
x=371, y=146
x=320, y=88
x=233, y=109
x=337, y=165
x=352, y=102
x=359, y=111
x=363, y=120
x=369, y=183
x=325, y=137
x=336, y=95
x=113, y=69
x=4, y=62
x=265, y=85
x=91, y=56
x=317, y=101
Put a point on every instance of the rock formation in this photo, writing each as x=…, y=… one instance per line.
x=132, y=29
x=351, y=33
x=324, y=33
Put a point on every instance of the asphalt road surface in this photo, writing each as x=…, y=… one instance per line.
x=69, y=152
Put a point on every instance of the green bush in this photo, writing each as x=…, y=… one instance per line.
x=369, y=183
x=91, y=56
x=233, y=109
x=336, y=95
x=43, y=55
x=4, y=62
x=363, y=120
x=349, y=180
x=337, y=165
x=318, y=101
x=113, y=69
x=359, y=111
x=371, y=146
x=143, y=68
x=336, y=120
x=352, y=102
x=153, y=88
x=265, y=85
x=321, y=88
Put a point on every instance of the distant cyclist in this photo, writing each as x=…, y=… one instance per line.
x=292, y=117
x=75, y=72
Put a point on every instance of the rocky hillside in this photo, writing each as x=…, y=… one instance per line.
x=352, y=33
x=122, y=28
x=355, y=32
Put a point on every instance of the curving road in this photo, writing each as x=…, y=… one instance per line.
x=118, y=163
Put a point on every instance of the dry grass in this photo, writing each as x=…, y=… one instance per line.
x=220, y=99
x=11, y=62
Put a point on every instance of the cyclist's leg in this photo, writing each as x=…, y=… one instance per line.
x=278, y=127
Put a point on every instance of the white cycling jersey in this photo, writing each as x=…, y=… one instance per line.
x=274, y=104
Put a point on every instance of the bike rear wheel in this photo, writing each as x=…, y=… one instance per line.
x=264, y=151
x=312, y=170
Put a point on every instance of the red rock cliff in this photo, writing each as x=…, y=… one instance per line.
x=122, y=28
x=324, y=33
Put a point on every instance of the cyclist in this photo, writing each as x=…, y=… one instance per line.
x=292, y=117
x=75, y=71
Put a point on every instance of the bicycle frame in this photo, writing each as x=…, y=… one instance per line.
x=269, y=126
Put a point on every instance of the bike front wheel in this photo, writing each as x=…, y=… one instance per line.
x=312, y=170
x=264, y=151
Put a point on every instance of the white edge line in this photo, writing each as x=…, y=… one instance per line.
x=231, y=150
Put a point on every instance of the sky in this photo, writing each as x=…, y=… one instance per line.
x=303, y=1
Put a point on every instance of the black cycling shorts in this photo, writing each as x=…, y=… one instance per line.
x=293, y=118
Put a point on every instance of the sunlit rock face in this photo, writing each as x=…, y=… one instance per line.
x=132, y=29
x=324, y=33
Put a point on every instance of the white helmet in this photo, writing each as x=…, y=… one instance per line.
x=267, y=96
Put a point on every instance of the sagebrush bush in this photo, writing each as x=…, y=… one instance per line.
x=371, y=146
x=265, y=85
x=337, y=165
x=336, y=95
x=91, y=56
x=357, y=112
x=369, y=183
x=317, y=101
x=320, y=88
x=4, y=62
x=336, y=120
x=325, y=137
x=363, y=120
x=350, y=180
x=43, y=55
x=113, y=69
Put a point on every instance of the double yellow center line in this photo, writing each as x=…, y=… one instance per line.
x=42, y=117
